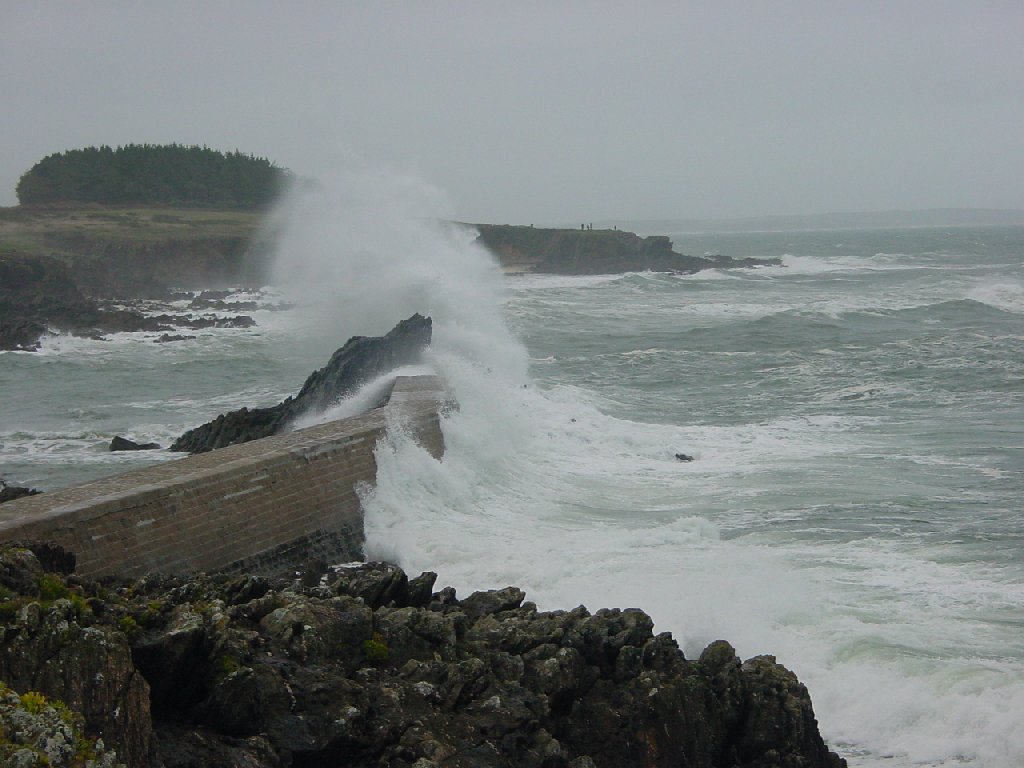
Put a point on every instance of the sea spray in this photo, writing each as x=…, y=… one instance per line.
x=803, y=529
x=538, y=487
x=362, y=249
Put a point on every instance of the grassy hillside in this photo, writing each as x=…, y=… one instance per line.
x=40, y=230
x=135, y=251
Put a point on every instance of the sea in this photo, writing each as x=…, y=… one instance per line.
x=822, y=460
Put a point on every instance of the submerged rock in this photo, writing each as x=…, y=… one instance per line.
x=360, y=360
x=359, y=667
x=119, y=443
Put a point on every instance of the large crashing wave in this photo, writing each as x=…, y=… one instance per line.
x=540, y=488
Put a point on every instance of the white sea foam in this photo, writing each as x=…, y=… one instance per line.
x=364, y=249
x=539, y=488
x=362, y=400
x=1004, y=294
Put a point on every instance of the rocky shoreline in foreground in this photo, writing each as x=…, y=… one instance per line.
x=362, y=666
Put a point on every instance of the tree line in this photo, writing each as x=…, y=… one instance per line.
x=169, y=174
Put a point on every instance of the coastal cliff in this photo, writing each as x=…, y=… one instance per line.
x=135, y=252
x=363, y=666
x=593, y=251
x=62, y=267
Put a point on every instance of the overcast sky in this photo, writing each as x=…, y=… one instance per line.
x=544, y=112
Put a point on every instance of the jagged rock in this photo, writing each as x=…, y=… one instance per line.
x=221, y=305
x=21, y=335
x=361, y=358
x=376, y=584
x=119, y=443
x=492, y=601
x=52, y=647
x=39, y=293
x=20, y=571
x=358, y=669
x=174, y=660
x=421, y=589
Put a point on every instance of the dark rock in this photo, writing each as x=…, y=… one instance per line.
x=199, y=323
x=313, y=571
x=361, y=359
x=212, y=295
x=167, y=337
x=683, y=457
x=21, y=335
x=38, y=294
x=175, y=661
x=184, y=747
x=12, y=492
x=53, y=648
x=592, y=252
x=124, y=444
x=492, y=601
x=20, y=571
x=420, y=589
x=52, y=557
x=223, y=306
x=245, y=701
x=376, y=584
x=349, y=674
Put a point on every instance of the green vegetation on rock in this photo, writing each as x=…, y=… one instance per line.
x=36, y=731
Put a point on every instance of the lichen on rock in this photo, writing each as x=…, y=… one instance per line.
x=362, y=666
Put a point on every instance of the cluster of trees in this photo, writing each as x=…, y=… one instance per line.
x=170, y=174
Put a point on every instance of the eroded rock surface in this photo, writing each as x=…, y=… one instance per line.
x=363, y=666
x=361, y=359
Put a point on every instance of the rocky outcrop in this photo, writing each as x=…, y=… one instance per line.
x=12, y=492
x=54, y=643
x=40, y=295
x=119, y=443
x=362, y=666
x=593, y=252
x=361, y=359
x=37, y=294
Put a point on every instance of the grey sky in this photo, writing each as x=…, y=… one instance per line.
x=541, y=112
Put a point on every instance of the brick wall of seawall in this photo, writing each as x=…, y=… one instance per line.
x=269, y=503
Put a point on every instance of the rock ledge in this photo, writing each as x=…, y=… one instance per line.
x=363, y=666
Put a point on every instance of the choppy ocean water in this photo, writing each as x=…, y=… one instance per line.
x=856, y=420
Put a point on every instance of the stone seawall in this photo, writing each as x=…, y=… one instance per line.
x=264, y=506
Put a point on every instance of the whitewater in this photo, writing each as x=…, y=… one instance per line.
x=854, y=417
